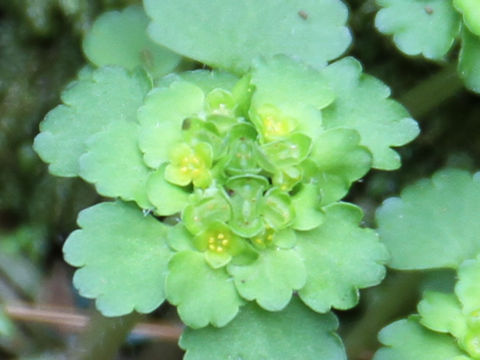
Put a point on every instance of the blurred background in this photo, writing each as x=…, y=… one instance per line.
x=41, y=316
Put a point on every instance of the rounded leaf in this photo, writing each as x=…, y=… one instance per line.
x=407, y=339
x=296, y=333
x=427, y=27
x=122, y=255
x=167, y=198
x=434, y=216
x=471, y=14
x=442, y=313
x=161, y=119
x=115, y=164
x=203, y=295
x=362, y=103
x=230, y=34
x=469, y=61
x=91, y=103
x=340, y=160
x=340, y=257
x=120, y=38
x=271, y=279
x=467, y=288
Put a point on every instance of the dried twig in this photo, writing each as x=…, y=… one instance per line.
x=70, y=320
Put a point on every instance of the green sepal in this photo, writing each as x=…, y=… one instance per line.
x=245, y=199
x=239, y=32
x=271, y=279
x=340, y=257
x=442, y=312
x=295, y=333
x=122, y=255
x=120, y=38
x=471, y=14
x=203, y=295
x=469, y=60
x=66, y=128
x=216, y=260
x=269, y=238
x=243, y=156
x=306, y=203
x=407, y=339
x=161, y=118
x=362, y=103
x=205, y=208
x=220, y=102
x=412, y=231
x=427, y=27
x=289, y=151
x=115, y=164
x=277, y=209
x=167, y=199
x=197, y=131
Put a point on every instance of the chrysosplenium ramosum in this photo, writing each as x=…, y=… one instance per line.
x=227, y=187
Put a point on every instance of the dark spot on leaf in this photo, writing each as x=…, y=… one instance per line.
x=147, y=58
x=243, y=281
x=186, y=124
x=303, y=14
x=428, y=10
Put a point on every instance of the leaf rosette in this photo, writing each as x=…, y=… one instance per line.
x=243, y=176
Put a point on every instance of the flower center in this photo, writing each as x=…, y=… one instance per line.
x=218, y=242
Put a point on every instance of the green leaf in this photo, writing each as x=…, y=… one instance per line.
x=168, y=199
x=467, y=288
x=206, y=208
x=434, y=216
x=427, y=27
x=407, y=339
x=271, y=279
x=442, y=313
x=471, y=14
x=296, y=333
x=469, y=61
x=230, y=34
x=161, y=119
x=120, y=38
x=306, y=203
x=202, y=294
x=122, y=257
x=91, y=103
x=363, y=104
x=293, y=90
x=340, y=258
x=7, y=327
x=207, y=80
x=115, y=164
x=340, y=160
x=179, y=238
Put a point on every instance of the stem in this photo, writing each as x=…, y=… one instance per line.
x=432, y=92
x=73, y=321
x=398, y=296
x=103, y=337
